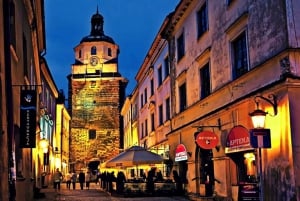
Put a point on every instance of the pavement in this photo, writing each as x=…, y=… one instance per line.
x=95, y=193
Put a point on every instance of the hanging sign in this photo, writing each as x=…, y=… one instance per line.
x=180, y=153
x=238, y=140
x=207, y=140
x=27, y=118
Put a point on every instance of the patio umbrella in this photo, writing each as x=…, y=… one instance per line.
x=134, y=156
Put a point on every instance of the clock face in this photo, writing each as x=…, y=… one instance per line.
x=94, y=61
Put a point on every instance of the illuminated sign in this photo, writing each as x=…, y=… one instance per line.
x=180, y=153
x=207, y=140
x=238, y=140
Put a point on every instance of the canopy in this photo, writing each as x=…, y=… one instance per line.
x=134, y=156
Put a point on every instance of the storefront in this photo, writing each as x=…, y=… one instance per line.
x=241, y=153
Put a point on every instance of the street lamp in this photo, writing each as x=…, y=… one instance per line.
x=259, y=135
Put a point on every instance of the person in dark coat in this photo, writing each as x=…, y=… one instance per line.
x=178, y=182
x=150, y=181
x=81, y=179
x=120, y=182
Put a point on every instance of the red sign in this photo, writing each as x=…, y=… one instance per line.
x=238, y=137
x=207, y=140
x=180, y=153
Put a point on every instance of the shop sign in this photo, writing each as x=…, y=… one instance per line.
x=180, y=153
x=207, y=140
x=238, y=140
x=27, y=118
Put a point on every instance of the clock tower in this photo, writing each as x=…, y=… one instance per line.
x=95, y=97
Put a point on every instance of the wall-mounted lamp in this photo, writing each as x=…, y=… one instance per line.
x=258, y=116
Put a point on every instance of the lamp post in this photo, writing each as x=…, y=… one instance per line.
x=260, y=134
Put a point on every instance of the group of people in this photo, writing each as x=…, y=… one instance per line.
x=72, y=178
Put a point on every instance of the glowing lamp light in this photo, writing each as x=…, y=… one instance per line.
x=44, y=144
x=258, y=118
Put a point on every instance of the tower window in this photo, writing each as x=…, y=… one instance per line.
x=109, y=52
x=93, y=50
x=79, y=54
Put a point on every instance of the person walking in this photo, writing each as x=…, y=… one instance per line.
x=57, y=177
x=74, y=180
x=68, y=180
x=88, y=179
x=81, y=179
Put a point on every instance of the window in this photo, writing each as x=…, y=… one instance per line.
x=182, y=97
x=240, y=56
x=151, y=87
x=159, y=72
x=228, y=2
x=25, y=61
x=204, y=81
x=92, y=134
x=142, y=100
x=109, y=52
x=161, y=117
x=152, y=122
x=168, y=109
x=12, y=24
x=180, y=47
x=79, y=54
x=146, y=127
x=142, y=129
x=93, y=50
x=202, y=20
x=167, y=67
x=145, y=95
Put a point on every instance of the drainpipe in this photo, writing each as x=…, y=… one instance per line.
x=9, y=101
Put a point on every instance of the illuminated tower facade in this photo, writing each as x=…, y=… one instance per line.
x=96, y=94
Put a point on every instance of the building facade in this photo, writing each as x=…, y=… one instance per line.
x=96, y=93
x=227, y=60
x=22, y=45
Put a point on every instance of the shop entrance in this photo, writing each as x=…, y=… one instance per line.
x=206, y=169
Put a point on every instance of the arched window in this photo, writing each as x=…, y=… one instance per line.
x=93, y=50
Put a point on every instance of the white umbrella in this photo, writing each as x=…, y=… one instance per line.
x=134, y=156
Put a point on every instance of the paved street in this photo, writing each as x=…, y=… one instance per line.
x=95, y=194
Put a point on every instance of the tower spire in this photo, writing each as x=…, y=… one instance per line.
x=97, y=24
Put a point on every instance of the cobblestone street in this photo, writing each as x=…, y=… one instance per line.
x=95, y=194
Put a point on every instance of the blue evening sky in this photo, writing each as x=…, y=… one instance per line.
x=133, y=24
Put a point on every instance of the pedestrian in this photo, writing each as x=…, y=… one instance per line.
x=81, y=179
x=57, y=177
x=88, y=179
x=68, y=180
x=74, y=180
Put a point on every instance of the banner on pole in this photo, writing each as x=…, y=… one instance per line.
x=27, y=119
